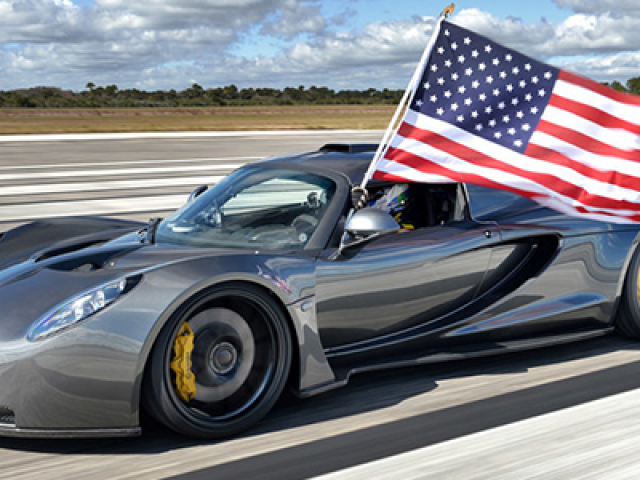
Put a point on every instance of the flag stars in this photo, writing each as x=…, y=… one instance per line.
x=427, y=86
x=526, y=127
x=508, y=57
x=446, y=32
x=440, y=111
x=528, y=97
x=434, y=68
x=461, y=59
x=462, y=89
x=440, y=50
x=506, y=119
x=502, y=105
x=503, y=74
x=468, y=101
x=542, y=92
x=479, y=127
x=522, y=83
x=509, y=88
x=447, y=94
x=548, y=75
x=517, y=143
x=475, y=84
x=468, y=72
x=527, y=67
x=482, y=97
x=534, y=79
x=488, y=110
x=447, y=63
x=489, y=79
x=492, y=123
x=496, y=92
x=467, y=41
x=511, y=131
x=495, y=62
x=440, y=81
x=515, y=70
x=488, y=48
x=534, y=110
x=454, y=46
x=475, y=54
x=498, y=135
x=455, y=76
x=433, y=98
x=454, y=106
x=475, y=114
x=460, y=118
x=515, y=101
x=482, y=66
x=520, y=114
x=419, y=103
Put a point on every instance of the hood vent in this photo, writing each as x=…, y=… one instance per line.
x=56, y=252
x=90, y=260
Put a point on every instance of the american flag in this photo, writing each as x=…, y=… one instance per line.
x=488, y=115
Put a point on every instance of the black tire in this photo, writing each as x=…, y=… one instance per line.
x=628, y=317
x=241, y=361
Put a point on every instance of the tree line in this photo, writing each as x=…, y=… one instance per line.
x=195, y=96
x=110, y=96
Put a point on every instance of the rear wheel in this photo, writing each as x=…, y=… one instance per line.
x=628, y=318
x=220, y=363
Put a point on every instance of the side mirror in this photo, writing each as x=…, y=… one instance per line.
x=365, y=225
x=197, y=192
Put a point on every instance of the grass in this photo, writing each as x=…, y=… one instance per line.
x=38, y=121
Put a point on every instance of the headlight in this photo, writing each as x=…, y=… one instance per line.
x=79, y=308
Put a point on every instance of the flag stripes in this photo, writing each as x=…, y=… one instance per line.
x=582, y=157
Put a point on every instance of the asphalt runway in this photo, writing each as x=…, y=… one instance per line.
x=564, y=412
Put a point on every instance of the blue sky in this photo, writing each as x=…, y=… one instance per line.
x=163, y=44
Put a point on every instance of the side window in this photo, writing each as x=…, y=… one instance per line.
x=276, y=193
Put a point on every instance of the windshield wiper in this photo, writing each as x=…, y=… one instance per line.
x=152, y=226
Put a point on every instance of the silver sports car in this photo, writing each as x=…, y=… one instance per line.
x=269, y=280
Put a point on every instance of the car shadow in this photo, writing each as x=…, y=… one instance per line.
x=365, y=393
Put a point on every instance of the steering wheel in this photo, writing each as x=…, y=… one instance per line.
x=304, y=222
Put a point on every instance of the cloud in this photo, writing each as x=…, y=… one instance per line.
x=168, y=44
x=600, y=6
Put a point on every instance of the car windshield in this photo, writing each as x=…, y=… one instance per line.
x=253, y=208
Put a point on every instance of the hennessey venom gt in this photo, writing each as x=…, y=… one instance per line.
x=269, y=280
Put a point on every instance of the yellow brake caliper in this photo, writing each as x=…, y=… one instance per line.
x=181, y=363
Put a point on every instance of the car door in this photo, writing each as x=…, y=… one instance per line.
x=400, y=281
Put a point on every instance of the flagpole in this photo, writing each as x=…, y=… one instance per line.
x=407, y=98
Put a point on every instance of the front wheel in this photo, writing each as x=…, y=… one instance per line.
x=220, y=364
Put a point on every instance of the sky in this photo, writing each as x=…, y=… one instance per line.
x=340, y=44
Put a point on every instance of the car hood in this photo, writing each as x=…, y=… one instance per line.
x=33, y=287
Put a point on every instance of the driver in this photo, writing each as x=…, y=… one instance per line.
x=394, y=200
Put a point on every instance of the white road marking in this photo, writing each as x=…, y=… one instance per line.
x=9, y=213
x=599, y=439
x=107, y=185
x=130, y=162
x=147, y=135
x=115, y=172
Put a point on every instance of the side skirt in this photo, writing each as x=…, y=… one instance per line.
x=343, y=375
